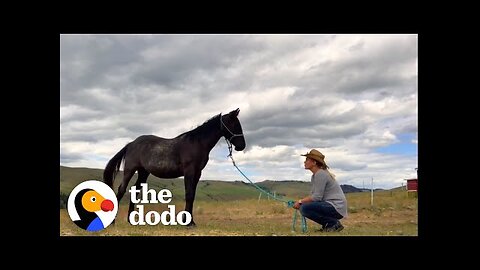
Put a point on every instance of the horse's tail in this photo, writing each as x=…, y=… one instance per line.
x=113, y=166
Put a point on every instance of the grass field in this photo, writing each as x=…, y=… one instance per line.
x=392, y=214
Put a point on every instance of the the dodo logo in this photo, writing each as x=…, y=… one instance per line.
x=92, y=205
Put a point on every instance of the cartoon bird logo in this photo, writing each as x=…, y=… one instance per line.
x=89, y=209
x=87, y=202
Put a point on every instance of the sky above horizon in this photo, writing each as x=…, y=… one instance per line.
x=353, y=97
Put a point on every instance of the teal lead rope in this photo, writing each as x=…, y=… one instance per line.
x=304, y=222
x=289, y=203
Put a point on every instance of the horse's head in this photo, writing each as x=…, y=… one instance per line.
x=232, y=129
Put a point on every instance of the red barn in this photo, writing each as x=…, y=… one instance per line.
x=412, y=185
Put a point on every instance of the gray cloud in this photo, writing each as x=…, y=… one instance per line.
x=67, y=156
x=356, y=92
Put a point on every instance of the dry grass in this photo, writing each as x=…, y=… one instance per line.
x=392, y=214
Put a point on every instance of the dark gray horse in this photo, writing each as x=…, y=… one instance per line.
x=185, y=155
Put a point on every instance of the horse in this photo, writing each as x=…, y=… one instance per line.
x=185, y=155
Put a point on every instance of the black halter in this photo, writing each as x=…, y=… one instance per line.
x=229, y=140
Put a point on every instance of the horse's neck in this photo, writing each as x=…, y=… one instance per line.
x=206, y=136
x=212, y=139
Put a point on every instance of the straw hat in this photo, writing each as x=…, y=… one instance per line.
x=316, y=155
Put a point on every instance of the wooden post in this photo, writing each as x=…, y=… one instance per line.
x=371, y=199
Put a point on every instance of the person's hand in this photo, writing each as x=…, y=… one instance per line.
x=296, y=205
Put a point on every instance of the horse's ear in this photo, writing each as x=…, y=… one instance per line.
x=235, y=112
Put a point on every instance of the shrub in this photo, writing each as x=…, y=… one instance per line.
x=63, y=200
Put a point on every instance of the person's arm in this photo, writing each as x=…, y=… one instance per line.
x=302, y=201
x=305, y=200
x=318, y=190
x=319, y=183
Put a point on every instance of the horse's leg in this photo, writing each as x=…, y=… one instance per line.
x=142, y=178
x=127, y=175
x=191, y=180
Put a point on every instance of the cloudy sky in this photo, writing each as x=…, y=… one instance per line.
x=353, y=97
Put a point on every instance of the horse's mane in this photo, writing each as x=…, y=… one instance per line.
x=204, y=129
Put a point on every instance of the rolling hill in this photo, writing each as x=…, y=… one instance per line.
x=206, y=190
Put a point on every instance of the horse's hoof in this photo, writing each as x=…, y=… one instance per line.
x=191, y=225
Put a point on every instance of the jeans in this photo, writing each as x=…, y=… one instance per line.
x=321, y=212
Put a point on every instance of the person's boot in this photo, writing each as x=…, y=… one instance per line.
x=335, y=228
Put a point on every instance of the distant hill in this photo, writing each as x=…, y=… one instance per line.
x=350, y=188
x=292, y=186
x=206, y=189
